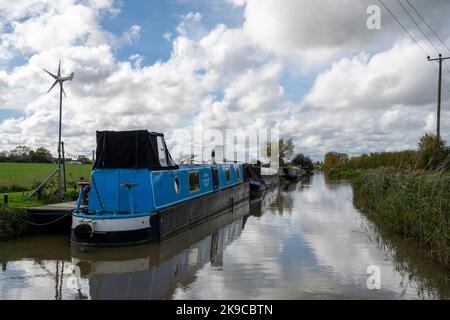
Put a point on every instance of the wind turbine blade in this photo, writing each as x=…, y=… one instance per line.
x=51, y=74
x=54, y=84
x=62, y=88
x=59, y=69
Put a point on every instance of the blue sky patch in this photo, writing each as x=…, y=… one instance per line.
x=157, y=17
x=10, y=113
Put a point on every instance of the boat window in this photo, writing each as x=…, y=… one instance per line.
x=162, y=152
x=194, y=181
x=237, y=173
x=227, y=173
x=176, y=184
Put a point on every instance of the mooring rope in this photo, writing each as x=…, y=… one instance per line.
x=43, y=224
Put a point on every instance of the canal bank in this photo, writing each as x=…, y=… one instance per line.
x=301, y=241
x=412, y=204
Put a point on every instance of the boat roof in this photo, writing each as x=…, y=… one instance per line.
x=132, y=150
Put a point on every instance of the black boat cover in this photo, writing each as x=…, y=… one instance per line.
x=132, y=150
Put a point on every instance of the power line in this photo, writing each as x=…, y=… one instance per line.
x=428, y=25
x=409, y=34
x=446, y=65
x=404, y=29
x=417, y=25
x=440, y=59
x=445, y=83
x=423, y=32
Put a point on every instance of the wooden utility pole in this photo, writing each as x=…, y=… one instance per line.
x=438, y=124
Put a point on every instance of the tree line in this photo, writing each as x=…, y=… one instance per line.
x=432, y=153
x=287, y=156
x=25, y=154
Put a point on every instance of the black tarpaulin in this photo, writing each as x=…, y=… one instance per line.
x=133, y=150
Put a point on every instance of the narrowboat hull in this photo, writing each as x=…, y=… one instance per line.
x=123, y=230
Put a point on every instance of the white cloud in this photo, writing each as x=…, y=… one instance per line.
x=398, y=75
x=128, y=37
x=224, y=77
x=316, y=32
x=167, y=35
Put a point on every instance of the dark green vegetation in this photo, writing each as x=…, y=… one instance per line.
x=432, y=155
x=304, y=162
x=11, y=225
x=25, y=154
x=406, y=192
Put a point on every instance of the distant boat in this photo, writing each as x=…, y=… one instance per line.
x=261, y=177
x=290, y=173
x=138, y=193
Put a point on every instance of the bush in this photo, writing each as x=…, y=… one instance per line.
x=433, y=153
x=11, y=225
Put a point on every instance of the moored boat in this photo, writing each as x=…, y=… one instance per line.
x=261, y=178
x=138, y=193
x=291, y=173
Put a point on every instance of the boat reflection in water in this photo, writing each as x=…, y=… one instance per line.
x=260, y=204
x=156, y=270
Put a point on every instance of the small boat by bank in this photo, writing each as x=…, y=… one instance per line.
x=261, y=178
x=291, y=173
x=138, y=193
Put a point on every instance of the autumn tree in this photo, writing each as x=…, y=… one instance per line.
x=333, y=159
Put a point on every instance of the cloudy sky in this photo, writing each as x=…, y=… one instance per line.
x=311, y=69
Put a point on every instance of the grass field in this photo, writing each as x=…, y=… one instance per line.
x=25, y=176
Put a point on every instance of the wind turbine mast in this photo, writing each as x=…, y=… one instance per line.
x=59, y=80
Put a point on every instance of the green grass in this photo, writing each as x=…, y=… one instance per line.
x=25, y=176
x=20, y=200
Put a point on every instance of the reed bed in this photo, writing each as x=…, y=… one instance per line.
x=415, y=205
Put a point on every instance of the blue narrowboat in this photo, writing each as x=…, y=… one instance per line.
x=138, y=193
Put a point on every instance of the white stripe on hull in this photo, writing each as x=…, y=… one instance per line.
x=111, y=267
x=110, y=225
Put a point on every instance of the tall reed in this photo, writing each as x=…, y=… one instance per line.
x=414, y=204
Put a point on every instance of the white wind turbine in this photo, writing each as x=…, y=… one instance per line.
x=59, y=79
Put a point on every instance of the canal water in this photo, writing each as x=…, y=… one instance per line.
x=302, y=241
